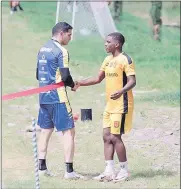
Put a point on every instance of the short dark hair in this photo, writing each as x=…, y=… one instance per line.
x=61, y=26
x=118, y=36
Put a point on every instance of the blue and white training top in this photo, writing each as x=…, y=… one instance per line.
x=53, y=67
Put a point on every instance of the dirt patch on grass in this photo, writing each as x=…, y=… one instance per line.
x=157, y=132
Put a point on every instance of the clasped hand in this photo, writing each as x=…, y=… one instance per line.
x=76, y=86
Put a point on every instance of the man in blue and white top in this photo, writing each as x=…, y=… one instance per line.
x=55, y=109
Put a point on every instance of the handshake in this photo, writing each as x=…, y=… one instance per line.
x=76, y=86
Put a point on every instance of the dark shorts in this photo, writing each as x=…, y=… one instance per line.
x=55, y=115
x=155, y=13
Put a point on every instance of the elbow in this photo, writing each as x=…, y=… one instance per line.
x=98, y=80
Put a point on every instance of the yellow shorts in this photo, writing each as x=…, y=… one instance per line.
x=118, y=123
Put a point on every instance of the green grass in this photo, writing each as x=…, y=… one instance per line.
x=157, y=64
x=157, y=67
x=172, y=98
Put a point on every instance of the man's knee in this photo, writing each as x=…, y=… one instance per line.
x=68, y=137
x=115, y=138
x=69, y=132
x=46, y=132
x=106, y=135
x=44, y=139
x=45, y=135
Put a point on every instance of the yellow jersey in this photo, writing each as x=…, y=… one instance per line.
x=116, y=71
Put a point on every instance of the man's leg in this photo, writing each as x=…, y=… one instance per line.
x=157, y=32
x=69, y=6
x=14, y=6
x=156, y=21
x=13, y=9
x=108, y=145
x=108, y=174
x=121, y=8
x=10, y=4
x=68, y=140
x=157, y=24
x=47, y=127
x=121, y=123
x=64, y=122
x=69, y=145
x=118, y=6
x=116, y=10
x=119, y=147
x=121, y=153
x=42, y=147
x=108, y=153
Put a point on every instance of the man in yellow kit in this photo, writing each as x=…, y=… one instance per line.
x=118, y=70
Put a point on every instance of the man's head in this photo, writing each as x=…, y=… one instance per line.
x=62, y=31
x=114, y=41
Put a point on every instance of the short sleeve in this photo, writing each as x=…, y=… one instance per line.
x=60, y=60
x=104, y=64
x=129, y=68
x=65, y=58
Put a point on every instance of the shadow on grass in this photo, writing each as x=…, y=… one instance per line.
x=89, y=175
x=152, y=173
x=143, y=174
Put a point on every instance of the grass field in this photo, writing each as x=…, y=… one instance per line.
x=153, y=144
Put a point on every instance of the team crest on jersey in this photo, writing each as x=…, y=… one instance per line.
x=116, y=124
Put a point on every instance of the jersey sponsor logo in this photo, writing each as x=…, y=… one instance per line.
x=43, y=72
x=44, y=49
x=43, y=82
x=111, y=74
x=116, y=124
x=112, y=64
x=42, y=61
x=43, y=68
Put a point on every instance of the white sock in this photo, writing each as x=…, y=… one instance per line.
x=110, y=164
x=124, y=165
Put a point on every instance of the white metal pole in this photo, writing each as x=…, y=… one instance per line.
x=73, y=18
x=57, y=13
x=35, y=154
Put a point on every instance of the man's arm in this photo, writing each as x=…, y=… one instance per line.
x=92, y=81
x=65, y=72
x=131, y=83
x=66, y=77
